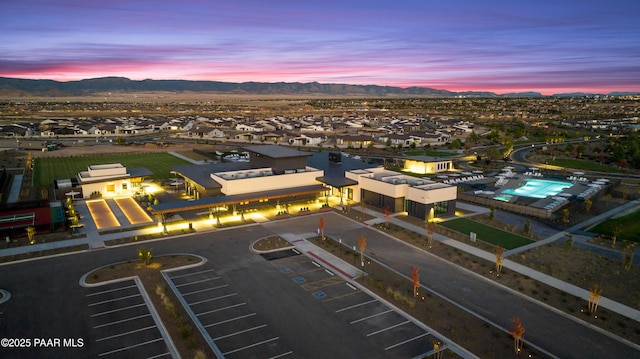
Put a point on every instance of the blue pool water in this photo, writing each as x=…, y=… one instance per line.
x=538, y=188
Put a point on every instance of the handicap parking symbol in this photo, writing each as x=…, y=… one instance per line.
x=319, y=294
x=298, y=279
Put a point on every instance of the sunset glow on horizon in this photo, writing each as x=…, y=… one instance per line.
x=458, y=45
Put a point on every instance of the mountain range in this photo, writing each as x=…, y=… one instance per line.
x=15, y=86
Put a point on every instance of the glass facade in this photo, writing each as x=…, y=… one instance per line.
x=440, y=208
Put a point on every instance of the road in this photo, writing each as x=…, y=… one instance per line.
x=48, y=302
x=546, y=328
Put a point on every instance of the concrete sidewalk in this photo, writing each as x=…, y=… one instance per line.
x=326, y=259
x=516, y=267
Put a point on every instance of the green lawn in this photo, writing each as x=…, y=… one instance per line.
x=628, y=225
x=48, y=169
x=486, y=233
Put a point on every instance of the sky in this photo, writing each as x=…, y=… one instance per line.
x=501, y=46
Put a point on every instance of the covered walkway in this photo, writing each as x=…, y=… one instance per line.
x=247, y=200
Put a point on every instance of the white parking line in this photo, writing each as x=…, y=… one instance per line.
x=371, y=316
x=198, y=281
x=230, y=320
x=220, y=309
x=121, y=321
x=126, y=333
x=117, y=310
x=115, y=300
x=193, y=273
x=406, y=341
x=160, y=355
x=204, y=290
x=388, y=328
x=240, y=332
x=282, y=355
x=251, y=346
x=355, y=306
x=111, y=290
x=129, y=347
x=212, y=299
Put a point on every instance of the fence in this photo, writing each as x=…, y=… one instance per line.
x=510, y=207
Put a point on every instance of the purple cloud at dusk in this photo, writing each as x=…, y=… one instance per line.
x=458, y=45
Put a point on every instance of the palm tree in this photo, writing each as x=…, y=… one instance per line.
x=144, y=254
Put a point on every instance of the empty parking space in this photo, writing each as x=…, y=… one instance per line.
x=122, y=324
x=373, y=321
x=234, y=327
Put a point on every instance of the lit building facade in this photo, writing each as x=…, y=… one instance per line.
x=397, y=192
x=111, y=180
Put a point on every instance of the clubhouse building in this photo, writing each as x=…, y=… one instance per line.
x=111, y=180
x=278, y=176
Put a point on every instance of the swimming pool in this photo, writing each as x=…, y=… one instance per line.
x=537, y=188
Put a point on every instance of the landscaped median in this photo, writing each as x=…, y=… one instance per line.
x=470, y=332
x=188, y=342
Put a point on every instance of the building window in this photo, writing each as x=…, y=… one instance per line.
x=124, y=186
x=111, y=187
x=440, y=208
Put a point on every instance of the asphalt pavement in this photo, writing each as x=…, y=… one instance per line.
x=42, y=280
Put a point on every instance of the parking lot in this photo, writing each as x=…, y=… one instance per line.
x=242, y=323
x=236, y=329
x=371, y=321
x=122, y=324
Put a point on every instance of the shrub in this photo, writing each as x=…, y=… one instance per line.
x=185, y=331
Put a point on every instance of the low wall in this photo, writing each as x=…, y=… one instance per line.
x=506, y=206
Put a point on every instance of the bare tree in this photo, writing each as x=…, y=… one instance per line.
x=437, y=350
x=430, y=230
x=321, y=227
x=31, y=233
x=594, y=298
x=628, y=256
x=415, y=279
x=616, y=230
x=518, y=334
x=499, y=252
x=362, y=244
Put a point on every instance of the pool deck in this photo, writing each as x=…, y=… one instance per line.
x=518, y=181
